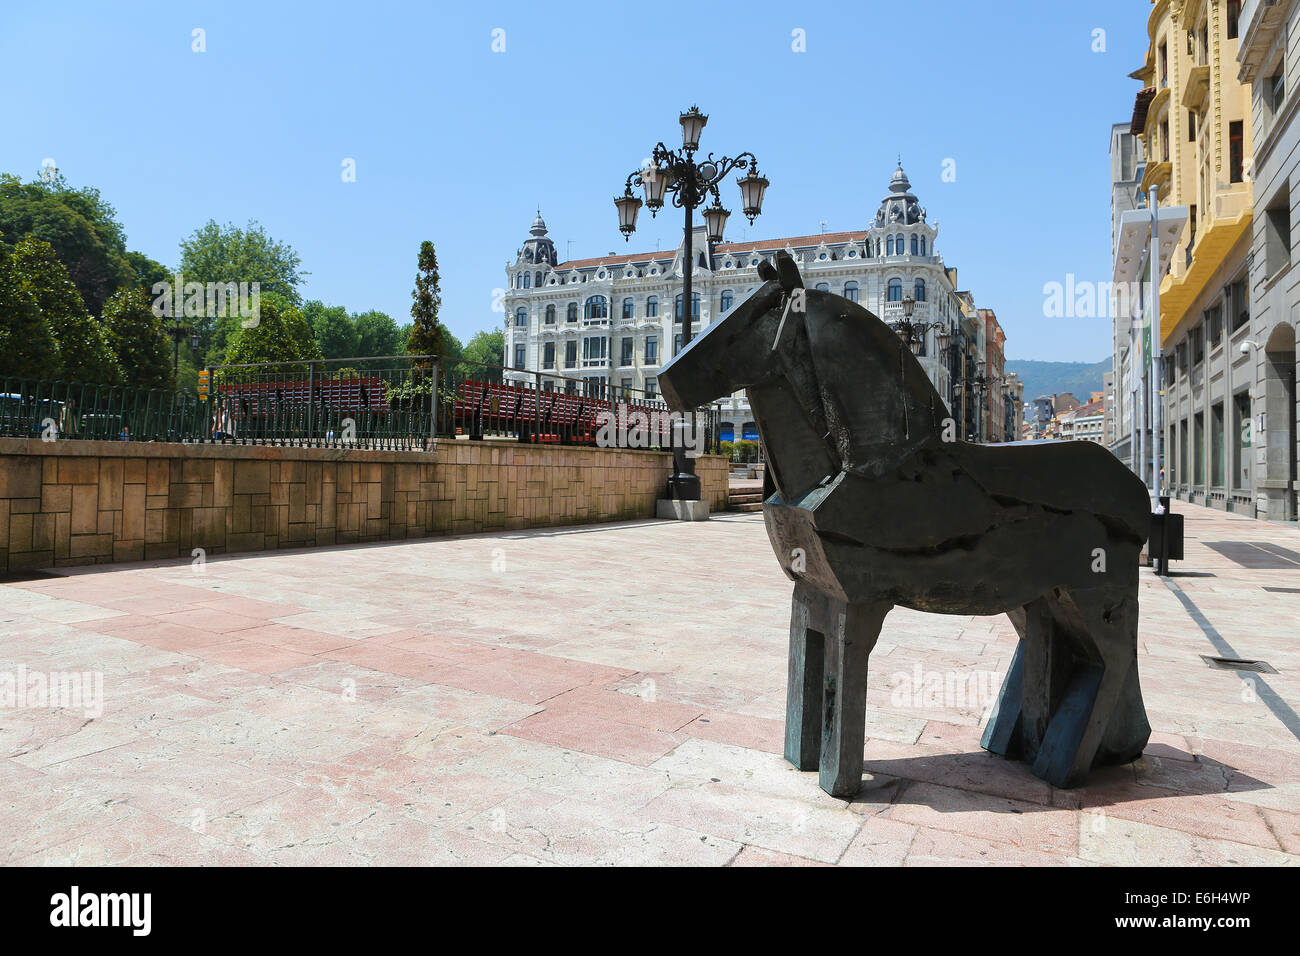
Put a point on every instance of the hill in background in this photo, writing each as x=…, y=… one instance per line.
x=1052, y=378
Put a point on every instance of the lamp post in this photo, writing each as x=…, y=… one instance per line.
x=980, y=384
x=690, y=182
x=178, y=333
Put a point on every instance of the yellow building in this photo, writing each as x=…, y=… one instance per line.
x=1193, y=117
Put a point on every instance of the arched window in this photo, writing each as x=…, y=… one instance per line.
x=923, y=245
x=889, y=245
x=652, y=306
x=851, y=291
x=538, y=280
x=895, y=290
x=823, y=287
x=877, y=247
x=918, y=290
x=898, y=244
x=627, y=308
x=572, y=314
x=550, y=315
x=528, y=280
x=728, y=297
x=695, y=307
x=521, y=317
x=597, y=307
x=915, y=247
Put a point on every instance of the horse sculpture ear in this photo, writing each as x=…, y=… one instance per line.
x=788, y=272
x=766, y=271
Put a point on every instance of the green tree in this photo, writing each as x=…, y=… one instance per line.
x=489, y=348
x=138, y=339
x=147, y=271
x=281, y=334
x=333, y=328
x=83, y=350
x=27, y=344
x=427, y=336
x=377, y=334
x=80, y=227
x=214, y=253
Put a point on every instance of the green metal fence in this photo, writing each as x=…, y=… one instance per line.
x=387, y=402
x=53, y=410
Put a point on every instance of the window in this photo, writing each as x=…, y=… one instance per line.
x=1164, y=140
x=625, y=386
x=823, y=287
x=625, y=351
x=727, y=298
x=570, y=354
x=1216, y=445
x=1196, y=342
x=851, y=291
x=898, y=244
x=677, y=343
x=1235, y=146
x=520, y=352
x=652, y=307
x=521, y=317
x=1163, y=62
x=1275, y=90
x=923, y=245
x=528, y=281
x=651, y=350
x=650, y=388
x=1277, y=232
x=595, y=351
x=548, y=355
x=572, y=314
x=889, y=245
x=695, y=307
x=550, y=315
x=627, y=308
x=1234, y=14
x=597, y=307
x=895, y=290
x=1240, y=441
x=537, y=281
x=918, y=290
x=915, y=246
x=1238, y=304
x=1191, y=126
x=1214, y=323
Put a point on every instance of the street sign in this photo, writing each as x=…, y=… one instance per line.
x=205, y=378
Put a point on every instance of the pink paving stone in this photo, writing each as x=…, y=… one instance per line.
x=300, y=639
x=251, y=656
x=1027, y=825
x=944, y=848
x=385, y=658
x=592, y=734
x=1207, y=816
x=624, y=708
x=880, y=842
x=757, y=856
x=740, y=730
x=210, y=619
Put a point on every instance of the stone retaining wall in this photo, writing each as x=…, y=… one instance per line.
x=86, y=502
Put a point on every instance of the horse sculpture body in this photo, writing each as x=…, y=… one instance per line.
x=868, y=507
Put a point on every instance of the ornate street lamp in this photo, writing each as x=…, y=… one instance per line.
x=913, y=333
x=691, y=183
x=178, y=333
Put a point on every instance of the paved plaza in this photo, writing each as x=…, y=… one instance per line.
x=608, y=694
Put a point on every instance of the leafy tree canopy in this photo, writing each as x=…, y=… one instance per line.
x=84, y=354
x=138, y=339
x=27, y=344
x=334, y=329
x=77, y=223
x=280, y=335
x=427, y=335
x=487, y=347
x=377, y=334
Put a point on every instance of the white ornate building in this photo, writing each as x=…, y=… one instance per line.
x=610, y=321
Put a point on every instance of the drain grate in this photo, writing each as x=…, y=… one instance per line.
x=1261, y=556
x=1238, y=664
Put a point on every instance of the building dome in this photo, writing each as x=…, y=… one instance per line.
x=900, y=206
x=537, y=248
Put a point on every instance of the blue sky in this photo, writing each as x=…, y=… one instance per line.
x=459, y=144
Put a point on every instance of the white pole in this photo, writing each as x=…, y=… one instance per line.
x=1155, y=341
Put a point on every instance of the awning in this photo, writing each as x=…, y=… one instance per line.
x=1140, y=105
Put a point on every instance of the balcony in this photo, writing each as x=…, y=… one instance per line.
x=1197, y=87
x=1257, y=27
x=1157, y=174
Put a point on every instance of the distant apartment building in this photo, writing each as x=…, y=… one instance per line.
x=1126, y=168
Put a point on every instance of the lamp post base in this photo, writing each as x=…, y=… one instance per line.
x=677, y=509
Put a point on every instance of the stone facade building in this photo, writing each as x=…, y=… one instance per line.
x=605, y=325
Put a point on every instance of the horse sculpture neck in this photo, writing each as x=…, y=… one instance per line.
x=819, y=415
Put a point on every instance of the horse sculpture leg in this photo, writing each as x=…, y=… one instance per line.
x=803, y=698
x=1071, y=698
x=853, y=631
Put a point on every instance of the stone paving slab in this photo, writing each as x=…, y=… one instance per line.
x=609, y=694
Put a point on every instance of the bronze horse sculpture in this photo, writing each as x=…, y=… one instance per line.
x=874, y=503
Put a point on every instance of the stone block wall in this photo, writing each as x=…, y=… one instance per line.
x=84, y=502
